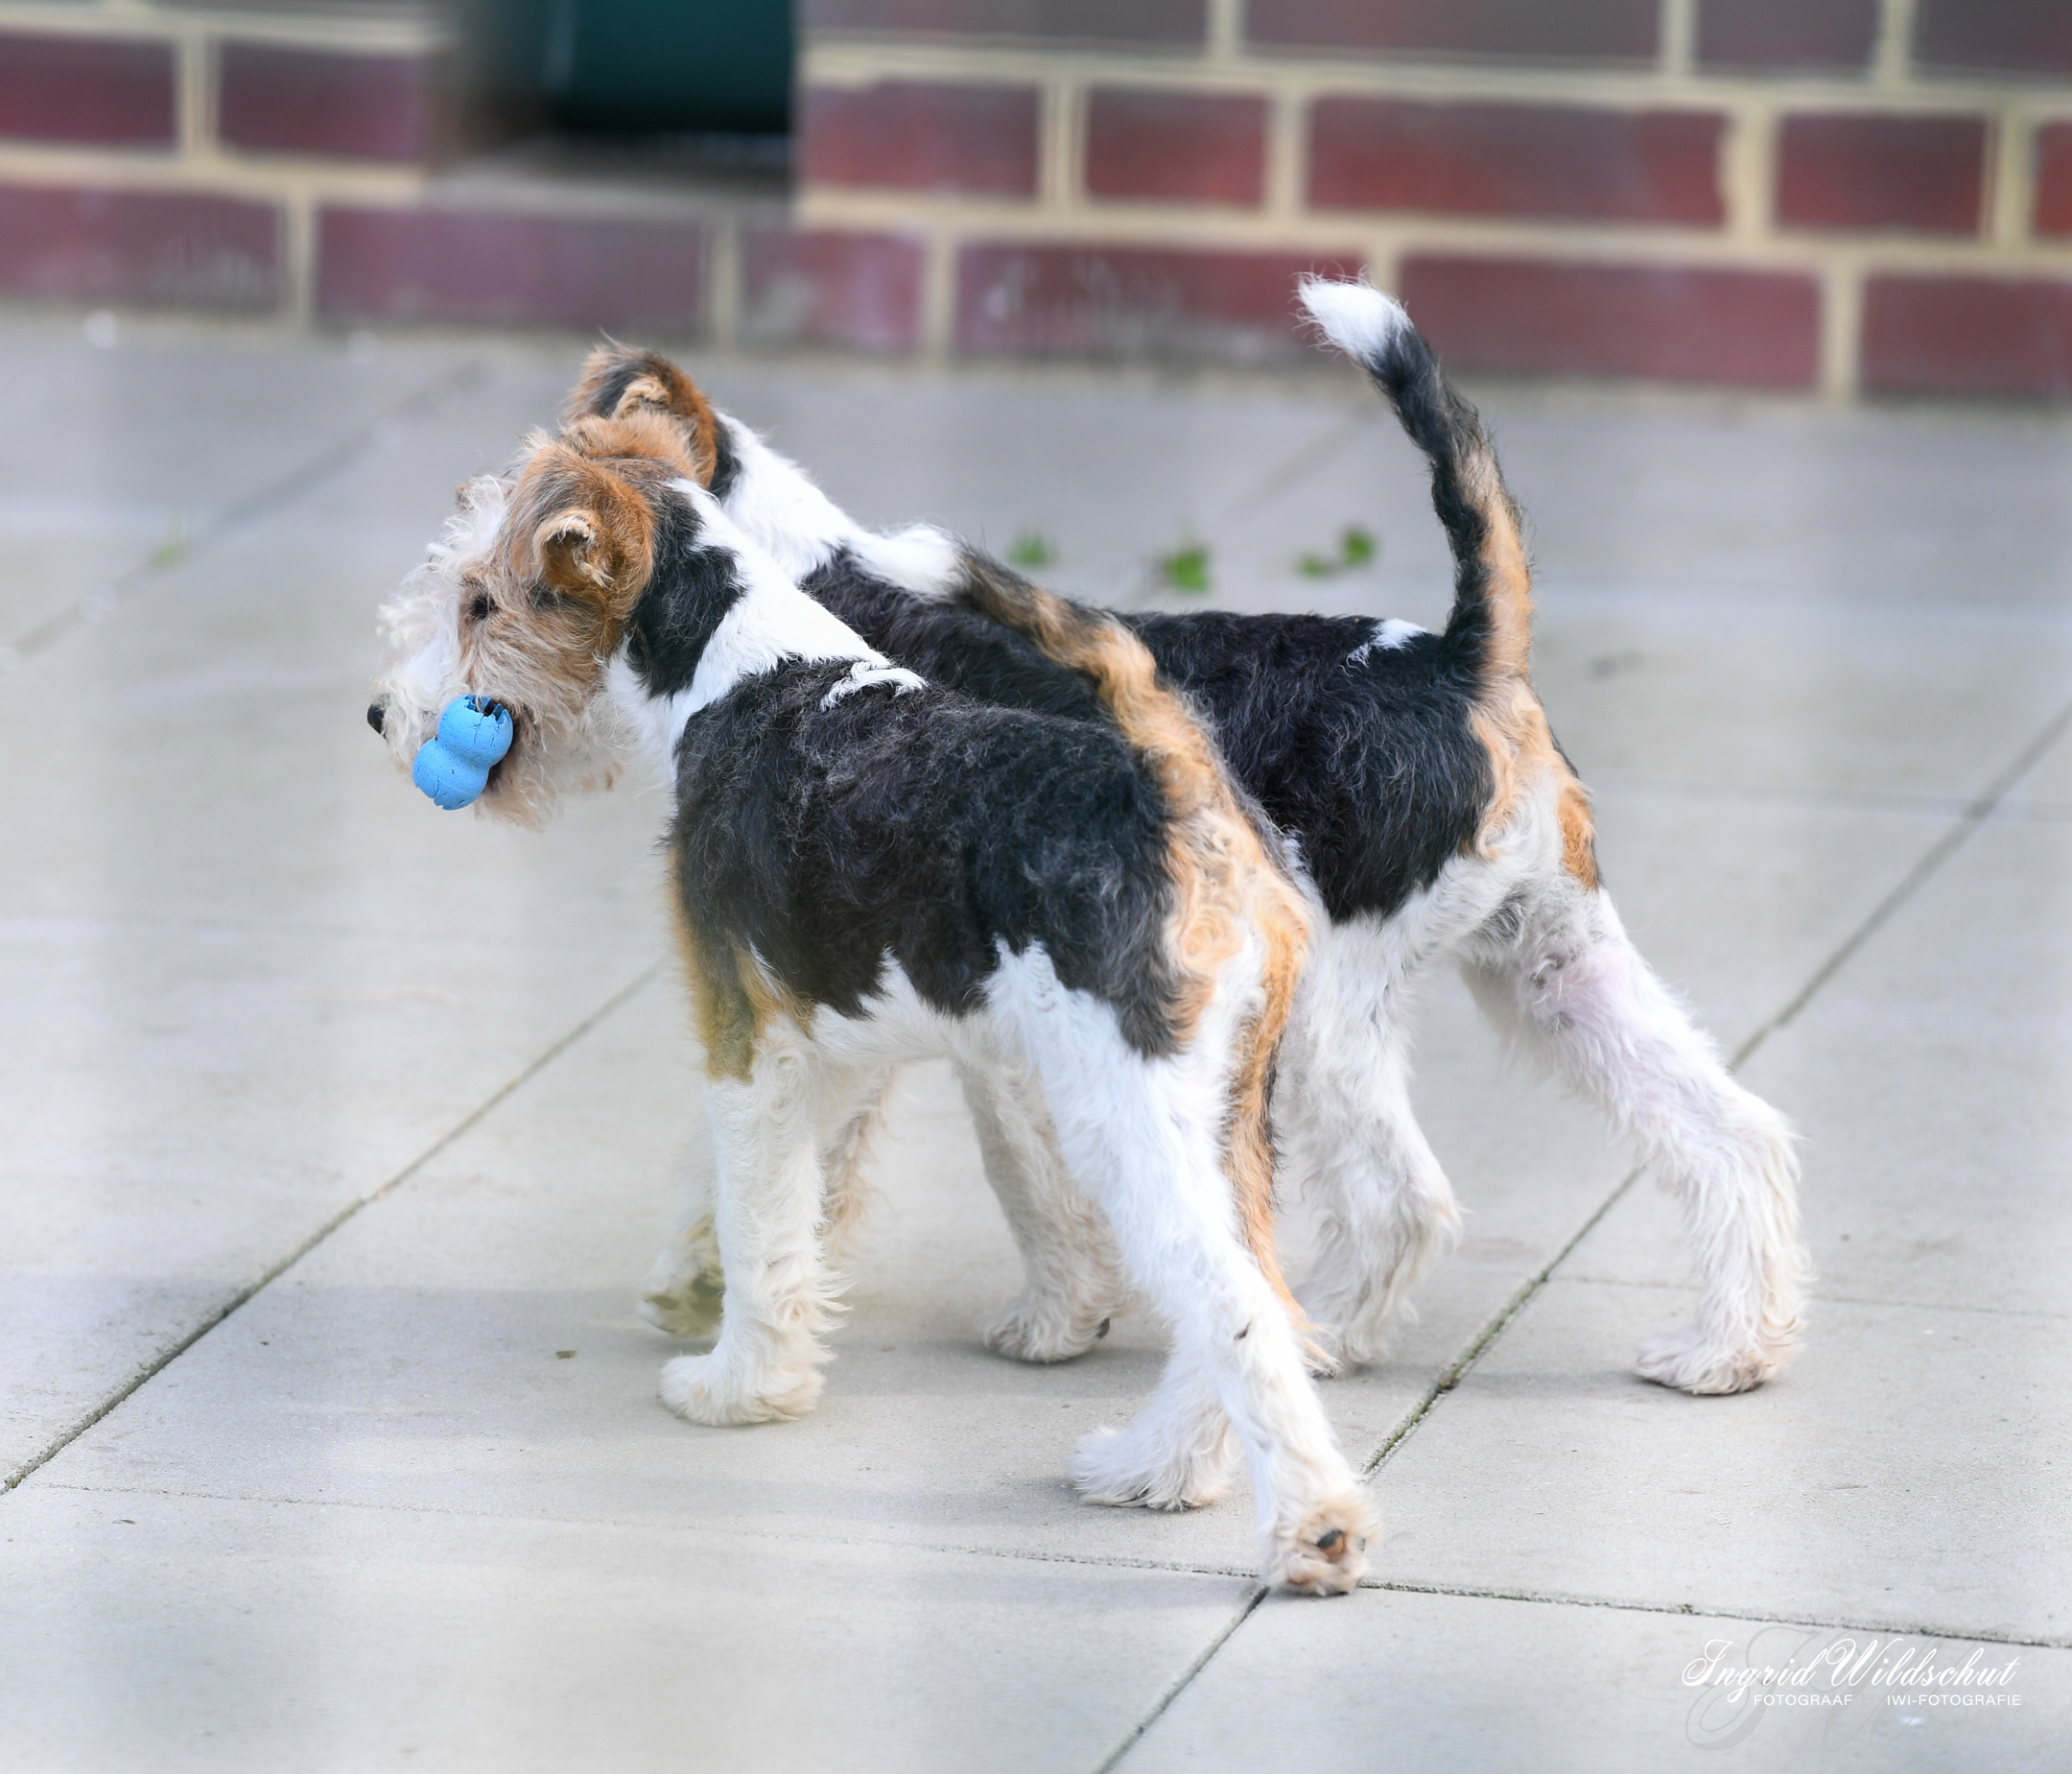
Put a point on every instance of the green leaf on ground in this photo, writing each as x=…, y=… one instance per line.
x=1032, y=548
x=1356, y=548
x=1186, y=567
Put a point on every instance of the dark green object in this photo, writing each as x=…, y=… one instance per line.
x=1356, y=548
x=1032, y=548
x=1186, y=569
x=645, y=67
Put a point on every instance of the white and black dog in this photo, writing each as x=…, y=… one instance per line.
x=1435, y=818
x=868, y=868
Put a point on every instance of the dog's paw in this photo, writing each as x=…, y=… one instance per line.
x=1042, y=1328
x=1117, y=1468
x=684, y=1308
x=1692, y=1362
x=1323, y=1552
x=706, y=1388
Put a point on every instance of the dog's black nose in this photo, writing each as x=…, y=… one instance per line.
x=374, y=716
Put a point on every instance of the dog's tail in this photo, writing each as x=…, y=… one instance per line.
x=1492, y=617
x=1227, y=877
x=1490, y=630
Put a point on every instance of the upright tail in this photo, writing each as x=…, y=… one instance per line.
x=1226, y=879
x=1492, y=582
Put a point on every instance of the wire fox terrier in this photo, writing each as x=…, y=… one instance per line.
x=869, y=868
x=1432, y=816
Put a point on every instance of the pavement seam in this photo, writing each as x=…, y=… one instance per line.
x=1132, y=1738
x=1083, y=1561
x=97, y=605
x=1690, y=1611
x=246, y=1294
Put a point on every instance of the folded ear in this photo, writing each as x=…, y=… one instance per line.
x=567, y=546
x=618, y=383
x=581, y=530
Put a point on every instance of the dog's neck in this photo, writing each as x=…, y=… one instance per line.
x=717, y=610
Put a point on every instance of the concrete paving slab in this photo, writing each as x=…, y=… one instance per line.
x=113, y=454
x=195, y=1633
x=1907, y=1474
x=1388, y=1679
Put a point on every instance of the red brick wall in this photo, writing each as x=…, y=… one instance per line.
x=1828, y=196
x=1818, y=194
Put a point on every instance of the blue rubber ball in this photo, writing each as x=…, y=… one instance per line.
x=454, y=767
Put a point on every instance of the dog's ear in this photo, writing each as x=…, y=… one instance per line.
x=581, y=530
x=619, y=383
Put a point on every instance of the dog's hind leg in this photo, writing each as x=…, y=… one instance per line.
x=1564, y=975
x=769, y=1206
x=1353, y=1149
x=1073, y=1284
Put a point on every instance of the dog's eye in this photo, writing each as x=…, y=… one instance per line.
x=479, y=607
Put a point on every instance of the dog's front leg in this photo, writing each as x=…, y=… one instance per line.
x=1073, y=1284
x=768, y=1216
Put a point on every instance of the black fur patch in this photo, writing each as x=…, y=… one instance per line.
x=1371, y=766
x=949, y=645
x=928, y=827
x=726, y=465
x=691, y=592
x=629, y=368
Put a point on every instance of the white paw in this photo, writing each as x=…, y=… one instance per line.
x=1690, y=1362
x=709, y=1388
x=1114, y=1467
x=1324, y=1550
x=1034, y=1327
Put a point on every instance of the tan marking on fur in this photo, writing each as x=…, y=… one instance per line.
x=1578, y=832
x=1224, y=878
x=660, y=390
x=1508, y=719
x=733, y=1002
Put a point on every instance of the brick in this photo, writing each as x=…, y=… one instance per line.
x=1516, y=160
x=1920, y=174
x=153, y=249
x=516, y=269
x=1783, y=35
x=1967, y=336
x=86, y=89
x=805, y=286
x=1122, y=21
x=920, y=136
x=2015, y=37
x=312, y=102
x=1064, y=300
x=1748, y=329
x=1198, y=148
x=1508, y=30
x=2054, y=178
